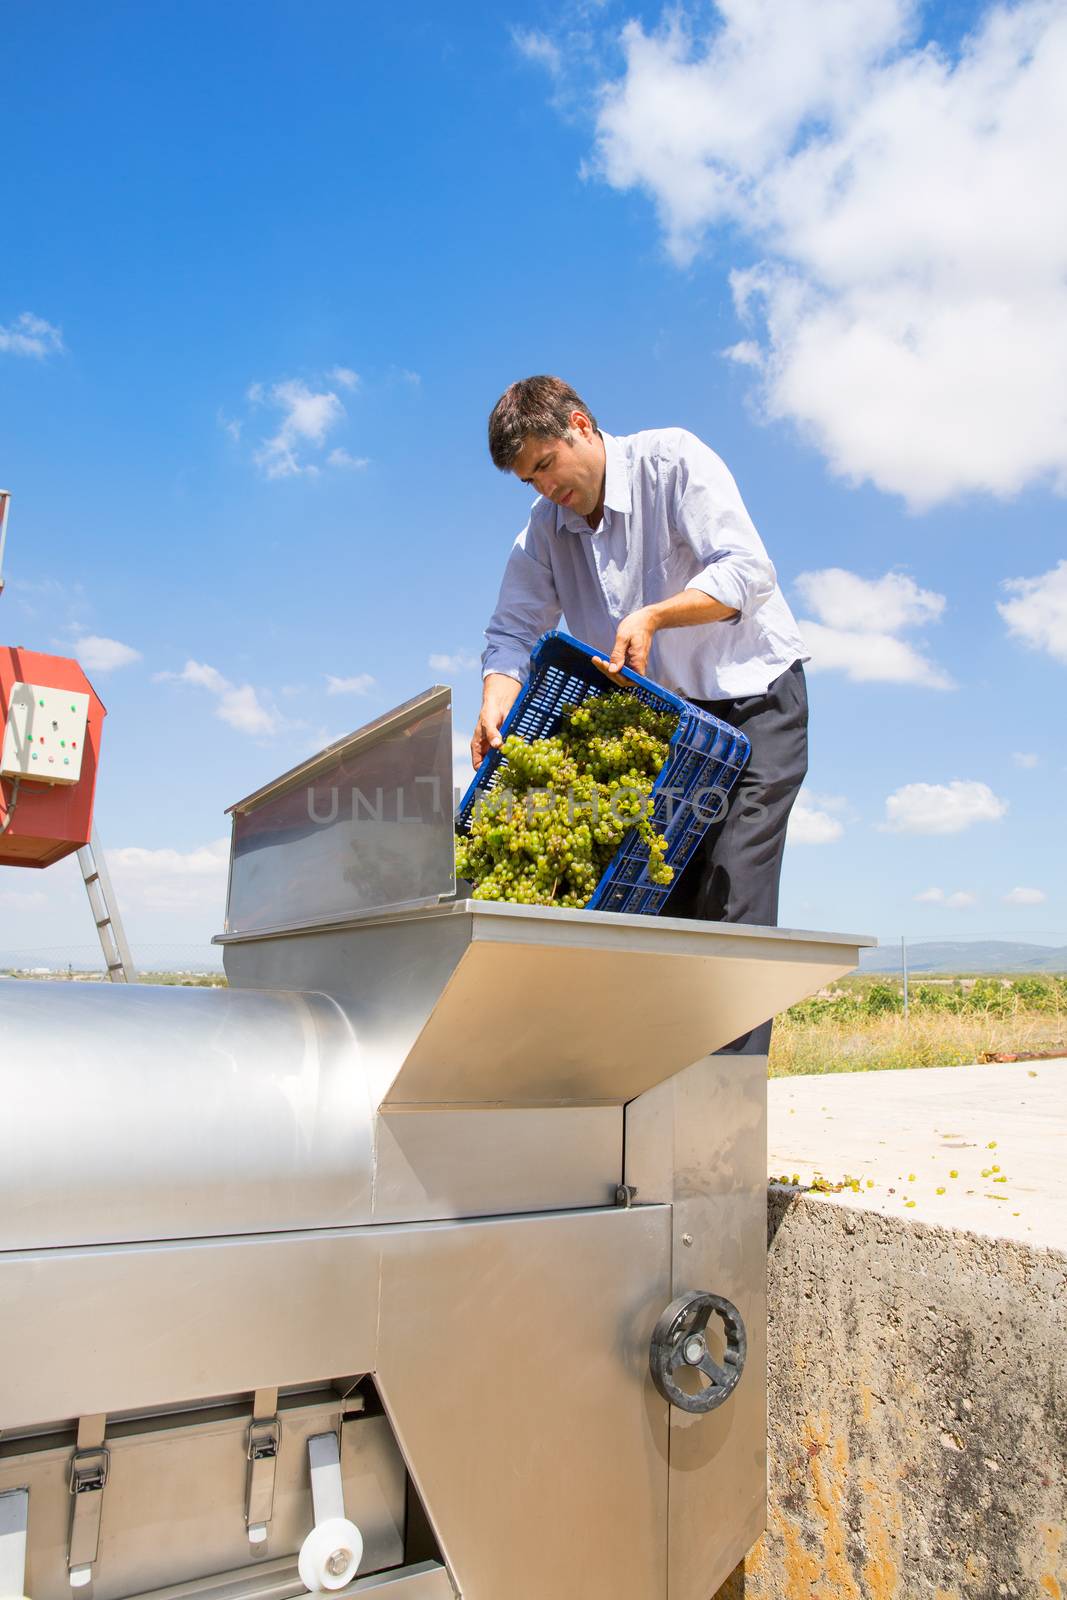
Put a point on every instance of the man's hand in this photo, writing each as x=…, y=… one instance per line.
x=632, y=645
x=499, y=694
x=633, y=641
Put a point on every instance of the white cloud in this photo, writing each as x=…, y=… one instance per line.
x=1038, y=614
x=307, y=417
x=537, y=47
x=959, y=900
x=746, y=353
x=904, y=206
x=97, y=654
x=46, y=602
x=320, y=738
x=342, y=458
x=30, y=336
x=858, y=622
x=812, y=819
x=461, y=661
x=362, y=683
x=1026, y=759
x=889, y=604
x=1025, y=897
x=870, y=657
x=170, y=880
x=939, y=808
x=23, y=899
x=239, y=705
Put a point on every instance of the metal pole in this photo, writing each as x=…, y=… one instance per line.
x=904, y=972
x=5, y=501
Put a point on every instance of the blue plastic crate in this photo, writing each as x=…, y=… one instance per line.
x=705, y=761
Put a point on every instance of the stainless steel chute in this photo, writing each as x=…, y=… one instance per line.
x=423, y=1181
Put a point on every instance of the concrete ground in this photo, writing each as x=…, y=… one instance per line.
x=1001, y=1129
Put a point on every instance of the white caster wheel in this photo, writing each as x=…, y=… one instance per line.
x=330, y=1555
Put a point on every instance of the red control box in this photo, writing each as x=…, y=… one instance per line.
x=51, y=720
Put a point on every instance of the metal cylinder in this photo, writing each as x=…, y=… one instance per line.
x=146, y=1112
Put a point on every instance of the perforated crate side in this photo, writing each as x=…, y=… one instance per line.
x=706, y=754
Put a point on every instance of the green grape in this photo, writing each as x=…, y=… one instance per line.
x=548, y=831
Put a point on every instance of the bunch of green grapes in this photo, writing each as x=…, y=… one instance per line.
x=546, y=835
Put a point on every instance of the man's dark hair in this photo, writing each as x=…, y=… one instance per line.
x=532, y=408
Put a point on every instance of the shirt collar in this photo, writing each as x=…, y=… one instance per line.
x=617, y=495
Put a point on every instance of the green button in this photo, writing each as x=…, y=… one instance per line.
x=41, y=703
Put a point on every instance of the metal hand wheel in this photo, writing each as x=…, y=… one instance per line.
x=679, y=1341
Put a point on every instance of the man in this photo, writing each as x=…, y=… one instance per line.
x=645, y=545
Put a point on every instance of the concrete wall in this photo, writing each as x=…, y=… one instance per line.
x=918, y=1424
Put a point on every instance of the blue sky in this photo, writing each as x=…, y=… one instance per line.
x=266, y=268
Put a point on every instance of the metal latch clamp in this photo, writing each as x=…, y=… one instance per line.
x=264, y=1441
x=88, y=1476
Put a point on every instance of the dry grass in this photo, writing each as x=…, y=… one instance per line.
x=926, y=1039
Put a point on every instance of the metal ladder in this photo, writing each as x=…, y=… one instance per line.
x=102, y=903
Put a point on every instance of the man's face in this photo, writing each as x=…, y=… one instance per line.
x=568, y=471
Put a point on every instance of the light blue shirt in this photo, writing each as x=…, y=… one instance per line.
x=673, y=520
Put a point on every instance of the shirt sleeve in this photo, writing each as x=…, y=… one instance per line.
x=528, y=605
x=709, y=516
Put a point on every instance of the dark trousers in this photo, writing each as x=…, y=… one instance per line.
x=733, y=875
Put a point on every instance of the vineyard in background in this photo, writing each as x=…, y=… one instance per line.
x=860, y=1024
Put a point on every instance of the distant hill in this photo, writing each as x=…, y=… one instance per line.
x=969, y=955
